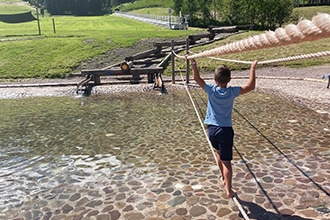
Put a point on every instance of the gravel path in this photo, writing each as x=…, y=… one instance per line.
x=303, y=86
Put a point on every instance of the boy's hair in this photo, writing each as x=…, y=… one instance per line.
x=222, y=74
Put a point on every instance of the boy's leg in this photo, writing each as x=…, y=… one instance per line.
x=220, y=165
x=228, y=175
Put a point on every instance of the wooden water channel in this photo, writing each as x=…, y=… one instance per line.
x=151, y=63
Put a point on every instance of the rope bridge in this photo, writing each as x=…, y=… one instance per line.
x=305, y=30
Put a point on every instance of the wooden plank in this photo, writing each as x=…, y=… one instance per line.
x=168, y=44
x=118, y=71
x=103, y=72
x=196, y=37
x=147, y=61
x=227, y=29
x=142, y=54
x=245, y=26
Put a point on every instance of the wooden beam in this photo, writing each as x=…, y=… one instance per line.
x=142, y=54
x=118, y=71
x=168, y=44
x=196, y=37
x=228, y=29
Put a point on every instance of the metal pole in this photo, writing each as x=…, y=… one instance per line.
x=172, y=61
x=187, y=62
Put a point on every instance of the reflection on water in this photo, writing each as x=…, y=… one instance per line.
x=46, y=142
x=60, y=144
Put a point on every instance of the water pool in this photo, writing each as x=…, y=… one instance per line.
x=143, y=155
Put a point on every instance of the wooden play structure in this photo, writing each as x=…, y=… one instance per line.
x=150, y=63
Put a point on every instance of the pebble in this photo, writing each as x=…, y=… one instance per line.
x=183, y=196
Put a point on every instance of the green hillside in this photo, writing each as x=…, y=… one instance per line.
x=309, y=12
x=14, y=6
x=145, y=4
x=78, y=40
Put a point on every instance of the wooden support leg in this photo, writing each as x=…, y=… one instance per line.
x=96, y=79
x=136, y=78
x=151, y=77
x=83, y=83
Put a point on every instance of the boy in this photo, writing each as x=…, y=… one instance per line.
x=219, y=116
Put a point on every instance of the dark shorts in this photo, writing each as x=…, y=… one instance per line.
x=222, y=139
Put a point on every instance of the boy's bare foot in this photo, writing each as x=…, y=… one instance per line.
x=231, y=193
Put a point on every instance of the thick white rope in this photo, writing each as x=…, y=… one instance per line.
x=286, y=59
x=246, y=217
x=305, y=30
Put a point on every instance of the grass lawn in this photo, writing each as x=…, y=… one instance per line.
x=152, y=11
x=13, y=6
x=309, y=12
x=263, y=54
x=26, y=54
x=145, y=4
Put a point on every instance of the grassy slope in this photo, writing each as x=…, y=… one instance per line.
x=263, y=54
x=146, y=4
x=23, y=53
x=153, y=11
x=271, y=53
x=309, y=12
x=13, y=6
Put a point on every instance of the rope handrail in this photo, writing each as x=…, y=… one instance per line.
x=305, y=30
x=285, y=59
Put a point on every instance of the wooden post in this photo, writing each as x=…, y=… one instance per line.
x=54, y=26
x=38, y=21
x=172, y=61
x=187, y=62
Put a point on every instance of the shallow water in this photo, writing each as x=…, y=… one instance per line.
x=55, y=146
x=46, y=142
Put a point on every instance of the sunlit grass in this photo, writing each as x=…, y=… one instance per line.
x=143, y=4
x=309, y=12
x=24, y=53
x=14, y=7
x=66, y=41
x=152, y=11
x=263, y=54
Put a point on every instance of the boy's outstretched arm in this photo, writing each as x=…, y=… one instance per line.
x=251, y=84
x=196, y=75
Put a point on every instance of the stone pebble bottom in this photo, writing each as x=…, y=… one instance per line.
x=285, y=177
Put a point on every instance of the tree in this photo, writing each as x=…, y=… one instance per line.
x=274, y=13
x=198, y=11
x=77, y=7
x=178, y=6
x=268, y=14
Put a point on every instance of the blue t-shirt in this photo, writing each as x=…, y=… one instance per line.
x=220, y=104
